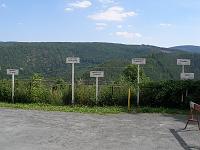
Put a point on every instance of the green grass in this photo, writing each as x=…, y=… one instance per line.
x=75, y=108
x=160, y=110
x=95, y=109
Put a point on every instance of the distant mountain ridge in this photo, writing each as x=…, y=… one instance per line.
x=188, y=48
x=49, y=59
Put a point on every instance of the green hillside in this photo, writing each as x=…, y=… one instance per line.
x=48, y=59
x=188, y=48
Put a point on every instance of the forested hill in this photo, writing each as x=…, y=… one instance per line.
x=188, y=48
x=49, y=59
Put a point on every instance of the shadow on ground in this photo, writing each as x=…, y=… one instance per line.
x=181, y=141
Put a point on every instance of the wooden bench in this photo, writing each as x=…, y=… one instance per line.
x=194, y=114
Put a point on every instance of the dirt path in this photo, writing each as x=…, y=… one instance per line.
x=36, y=130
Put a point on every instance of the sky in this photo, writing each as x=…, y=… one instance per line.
x=163, y=23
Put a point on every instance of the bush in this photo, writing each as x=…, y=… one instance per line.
x=22, y=90
x=85, y=95
x=169, y=93
x=5, y=91
x=39, y=93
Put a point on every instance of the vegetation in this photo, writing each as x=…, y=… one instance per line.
x=188, y=48
x=169, y=94
x=42, y=61
x=96, y=110
x=131, y=73
x=165, y=94
x=48, y=59
x=77, y=108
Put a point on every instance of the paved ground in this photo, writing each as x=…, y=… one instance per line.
x=35, y=130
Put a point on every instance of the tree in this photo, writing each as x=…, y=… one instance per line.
x=130, y=74
x=38, y=92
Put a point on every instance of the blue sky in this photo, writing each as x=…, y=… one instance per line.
x=156, y=22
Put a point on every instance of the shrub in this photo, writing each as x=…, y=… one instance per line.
x=85, y=94
x=5, y=91
x=39, y=93
x=169, y=93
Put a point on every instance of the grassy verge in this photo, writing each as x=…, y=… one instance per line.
x=80, y=109
x=160, y=110
x=86, y=109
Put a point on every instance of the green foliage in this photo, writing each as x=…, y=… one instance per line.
x=48, y=59
x=22, y=92
x=165, y=94
x=131, y=73
x=5, y=91
x=76, y=108
x=169, y=94
x=113, y=95
x=85, y=95
x=38, y=92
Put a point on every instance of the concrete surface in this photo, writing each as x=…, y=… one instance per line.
x=36, y=130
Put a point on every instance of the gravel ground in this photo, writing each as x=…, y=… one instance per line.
x=37, y=130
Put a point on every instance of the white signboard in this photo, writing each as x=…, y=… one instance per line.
x=139, y=61
x=183, y=62
x=187, y=76
x=73, y=60
x=12, y=71
x=97, y=74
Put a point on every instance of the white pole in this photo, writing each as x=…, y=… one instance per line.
x=97, y=88
x=13, y=86
x=72, y=83
x=183, y=69
x=138, y=88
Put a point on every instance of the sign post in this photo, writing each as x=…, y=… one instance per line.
x=187, y=76
x=183, y=75
x=97, y=75
x=73, y=60
x=13, y=72
x=183, y=63
x=138, y=62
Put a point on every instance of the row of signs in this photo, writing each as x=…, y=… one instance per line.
x=137, y=61
x=76, y=60
x=185, y=76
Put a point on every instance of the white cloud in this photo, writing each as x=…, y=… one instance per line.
x=68, y=9
x=3, y=5
x=115, y=13
x=128, y=35
x=165, y=24
x=78, y=5
x=81, y=4
x=107, y=1
x=101, y=26
x=119, y=26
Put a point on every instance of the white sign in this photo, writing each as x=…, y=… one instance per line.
x=73, y=60
x=139, y=61
x=187, y=76
x=95, y=74
x=12, y=71
x=183, y=62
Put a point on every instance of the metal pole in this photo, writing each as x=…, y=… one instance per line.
x=183, y=69
x=138, y=88
x=129, y=99
x=13, y=87
x=72, y=83
x=97, y=88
